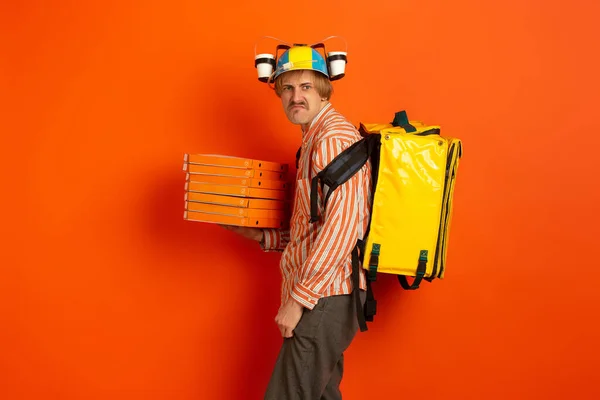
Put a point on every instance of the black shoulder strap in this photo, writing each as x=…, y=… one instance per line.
x=340, y=169
x=298, y=153
x=360, y=311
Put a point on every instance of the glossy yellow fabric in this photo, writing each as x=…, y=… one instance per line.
x=412, y=206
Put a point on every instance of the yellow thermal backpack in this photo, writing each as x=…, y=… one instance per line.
x=413, y=175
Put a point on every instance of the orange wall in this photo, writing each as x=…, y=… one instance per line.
x=107, y=293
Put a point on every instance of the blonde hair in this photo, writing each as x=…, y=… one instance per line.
x=322, y=83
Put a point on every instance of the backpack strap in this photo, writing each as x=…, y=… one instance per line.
x=298, y=156
x=360, y=312
x=339, y=170
x=336, y=173
x=421, y=269
x=369, y=310
x=401, y=120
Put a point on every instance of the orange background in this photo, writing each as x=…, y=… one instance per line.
x=107, y=293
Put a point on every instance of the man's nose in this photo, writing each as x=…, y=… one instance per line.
x=297, y=96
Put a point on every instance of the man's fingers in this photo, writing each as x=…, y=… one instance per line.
x=286, y=331
x=280, y=327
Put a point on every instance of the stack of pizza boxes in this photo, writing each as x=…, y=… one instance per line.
x=236, y=191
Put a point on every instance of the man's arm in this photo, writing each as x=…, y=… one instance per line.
x=339, y=231
x=269, y=239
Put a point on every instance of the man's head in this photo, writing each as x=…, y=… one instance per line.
x=302, y=82
x=303, y=94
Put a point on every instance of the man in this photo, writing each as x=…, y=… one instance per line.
x=317, y=317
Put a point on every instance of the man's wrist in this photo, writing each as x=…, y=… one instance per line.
x=296, y=303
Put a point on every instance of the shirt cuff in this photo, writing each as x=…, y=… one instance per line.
x=305, y=296
x=271, y=239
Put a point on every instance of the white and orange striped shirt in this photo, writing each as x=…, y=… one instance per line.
x=316, y=257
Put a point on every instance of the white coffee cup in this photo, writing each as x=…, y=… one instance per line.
x=265, y=64
x=337, y=64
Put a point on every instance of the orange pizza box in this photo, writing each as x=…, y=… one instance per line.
x=231, y=190
x=218, y=160
x=230, y=180
x=233, y=172
x=234, y=201
x=233, y=220
x=235, y=211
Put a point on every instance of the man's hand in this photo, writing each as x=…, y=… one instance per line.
x=288, y=317
x=247, y=232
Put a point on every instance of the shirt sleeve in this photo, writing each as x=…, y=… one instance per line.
x=338, y=233
x=275, y=240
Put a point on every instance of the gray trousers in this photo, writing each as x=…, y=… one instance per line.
x=310, y=364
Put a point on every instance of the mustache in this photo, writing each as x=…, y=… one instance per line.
x=303, y=104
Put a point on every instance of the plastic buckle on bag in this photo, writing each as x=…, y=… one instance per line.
x=374, y=262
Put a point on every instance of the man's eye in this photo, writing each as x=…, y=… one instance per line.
x=306, y=87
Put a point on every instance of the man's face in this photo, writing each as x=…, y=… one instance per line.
x=301, y=101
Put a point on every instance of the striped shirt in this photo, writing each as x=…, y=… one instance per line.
x=316, y=257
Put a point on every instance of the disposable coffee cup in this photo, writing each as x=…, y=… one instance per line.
x=264, y=63
x=337, y=64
